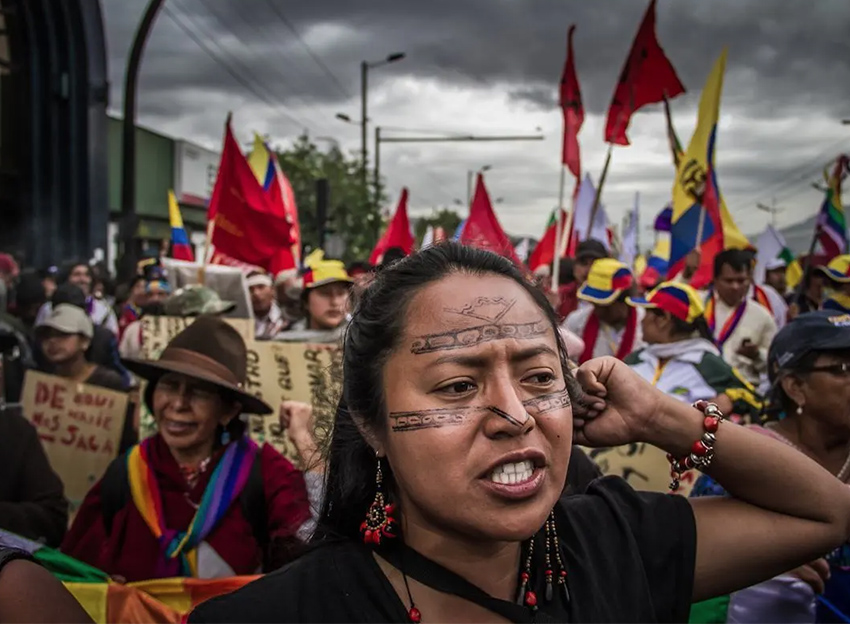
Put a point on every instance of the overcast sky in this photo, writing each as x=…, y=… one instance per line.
x=491, y=67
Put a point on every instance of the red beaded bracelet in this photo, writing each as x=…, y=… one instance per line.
x=702, y=452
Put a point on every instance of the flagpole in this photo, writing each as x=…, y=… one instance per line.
x=599, y=189
x=556, y=263
x=564, y=242
x=202, y=271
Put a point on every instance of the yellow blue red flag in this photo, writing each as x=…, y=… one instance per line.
x=696, y=221
x=181, y=249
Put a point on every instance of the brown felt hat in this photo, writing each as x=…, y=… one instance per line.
x=210, y=350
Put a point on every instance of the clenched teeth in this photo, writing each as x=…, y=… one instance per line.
x=518, y=472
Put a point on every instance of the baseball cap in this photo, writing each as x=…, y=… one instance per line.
x=815, y=331
x=68, y=319
x=325, y=272
x=775, y=264
x=680, y=300
x=838, y=269
x=606, y=281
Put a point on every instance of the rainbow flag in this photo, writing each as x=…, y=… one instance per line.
x=832, y=224
x=147, y=602
x=181, y=249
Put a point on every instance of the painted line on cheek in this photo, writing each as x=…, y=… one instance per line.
x=428, y=419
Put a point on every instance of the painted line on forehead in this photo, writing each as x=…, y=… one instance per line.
x=503, y=414
x=479, y=334
x=546, y=403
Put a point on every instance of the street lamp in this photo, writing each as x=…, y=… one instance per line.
x=365, y=66
x=344, y=117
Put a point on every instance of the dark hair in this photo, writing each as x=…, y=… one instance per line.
x=70, y=294
x=700, y=326
x=777, y=401
x=565, y=271
x=358, y=265
x=738, y=259
x=372, y=334
x=30, y=290
x=68, y=268
x=392, y=255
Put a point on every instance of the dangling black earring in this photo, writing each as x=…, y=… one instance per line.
x=379, y=522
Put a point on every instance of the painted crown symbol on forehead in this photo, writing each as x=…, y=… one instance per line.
x=490, y=309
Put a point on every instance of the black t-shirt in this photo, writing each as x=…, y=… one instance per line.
x=630, y=558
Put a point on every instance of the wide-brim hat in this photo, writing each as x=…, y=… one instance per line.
x=606, y=281
x=680, y=300
x=838, y=270
x=209, y=350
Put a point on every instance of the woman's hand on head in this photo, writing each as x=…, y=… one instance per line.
x=619, y=404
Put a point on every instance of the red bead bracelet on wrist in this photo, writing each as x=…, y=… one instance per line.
x=702, y=451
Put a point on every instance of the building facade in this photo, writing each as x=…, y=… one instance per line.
x=53, y=129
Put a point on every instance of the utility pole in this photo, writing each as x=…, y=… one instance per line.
x=772, y=210
x=364, y=89
x=129, y=219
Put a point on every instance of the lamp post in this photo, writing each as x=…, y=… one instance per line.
x=365, y=66
x=128, y=147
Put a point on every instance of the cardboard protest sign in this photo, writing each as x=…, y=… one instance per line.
x=228, y=282
x=291, y=371
x=157, y=331
x=79, y=426
x=276, y=372
x=643, y=466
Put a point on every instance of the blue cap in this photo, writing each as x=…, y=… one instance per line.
x=816, y=331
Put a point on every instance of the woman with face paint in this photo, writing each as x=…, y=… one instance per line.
x=450, y=450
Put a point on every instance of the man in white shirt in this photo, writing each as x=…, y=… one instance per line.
x=742, y=328
x=268, y=320
x=609, y=326
x=771, y=294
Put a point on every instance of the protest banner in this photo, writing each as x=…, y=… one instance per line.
x=643, y=466
x=79, y=426
x=276, y=372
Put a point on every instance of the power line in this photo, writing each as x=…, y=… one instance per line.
x=282, y=79
x=187, y=30
x=794, y=177
x=309, y=50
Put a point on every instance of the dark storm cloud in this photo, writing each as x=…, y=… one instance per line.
x=788, y=78
x=780, y=50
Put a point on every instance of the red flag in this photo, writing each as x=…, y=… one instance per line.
x=482, y=228
x=647, y=77
x=573, y=110
x=398, y=233
x=251, y=224
x=544, y=251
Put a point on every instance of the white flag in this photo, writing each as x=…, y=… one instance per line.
x=770, y=244
x=428, y=239
x=630, y=236
x=522, y=249
x=584, y=207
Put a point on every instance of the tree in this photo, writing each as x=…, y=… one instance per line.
x=353, y=212
x=445, y=218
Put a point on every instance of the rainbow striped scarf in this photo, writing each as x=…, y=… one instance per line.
x=179, y=548
x=728, y=327
x=761, y=297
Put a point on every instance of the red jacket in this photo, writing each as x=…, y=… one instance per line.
x=130, y=550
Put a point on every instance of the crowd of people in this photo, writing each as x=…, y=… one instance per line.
x=453, y=485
